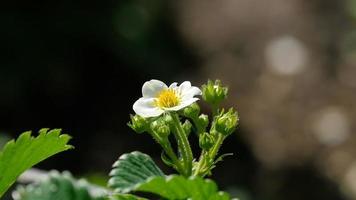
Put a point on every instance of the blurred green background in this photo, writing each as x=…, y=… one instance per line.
x=290, y=65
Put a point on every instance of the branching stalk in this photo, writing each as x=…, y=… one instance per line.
x=215, y=149
x=183, y=144
x=167, y=147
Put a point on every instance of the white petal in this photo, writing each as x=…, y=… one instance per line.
x=184, y=86
x=190, y=93
x=150, y=89
x=145, y=108
x=173, y=85
x=183, y=104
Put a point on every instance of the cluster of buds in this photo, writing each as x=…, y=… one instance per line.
x=158, y=127
x=201, y=121
x=210, y=135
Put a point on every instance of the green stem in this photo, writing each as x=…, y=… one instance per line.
x=167, y=147
x=201, y=163
x=207, y=158
x=170, y=152
x=183, y=144
x=214, y=150
x=216, y=147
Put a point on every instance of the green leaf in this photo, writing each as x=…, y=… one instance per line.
x=179, y=187
x=60, y=186
x=20, y=155
x=136, y=172
x=132, y=169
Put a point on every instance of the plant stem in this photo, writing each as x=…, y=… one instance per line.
x=201, y=163
x=207, y=158
x=167, y=147
x=216, y=147
x=169, y=151
x=183, y=144
x=214, y=150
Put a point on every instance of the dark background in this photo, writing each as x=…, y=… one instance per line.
x=80, y=65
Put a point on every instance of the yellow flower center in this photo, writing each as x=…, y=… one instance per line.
x=167, y=98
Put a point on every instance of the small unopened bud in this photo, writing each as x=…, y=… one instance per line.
x=187, y=126
x=192, y=111
x=214, y=92
x=168, y=119
x=160, y=128
x=138, y=123
x=206, y=141
x=203, y=121
x=226, y=122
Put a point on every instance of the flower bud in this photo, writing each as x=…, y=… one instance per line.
x=160, y=128
x=138, y=124
x=187, y=126
x=168, y=119
x=214, y=92
x=226, y=122
x=203, y=121
x=192, y=111
x=206, y=141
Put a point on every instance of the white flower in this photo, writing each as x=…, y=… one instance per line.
x=158, y=98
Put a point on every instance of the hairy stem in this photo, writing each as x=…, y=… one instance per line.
x=201, y=164
x=171, y=154
x=207, y=158
x=215, y=149
x=183, y=144
x=167, y=147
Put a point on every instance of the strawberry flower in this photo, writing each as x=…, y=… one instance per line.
x=157, y=98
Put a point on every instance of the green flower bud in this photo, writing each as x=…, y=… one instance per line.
x=214, y=92
x=206, y=141
x=160, y=128
x=187, y=126
x=192, y=111
x=168, y=119
x=226, y=122
x=203, y=121
x=138, y=123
